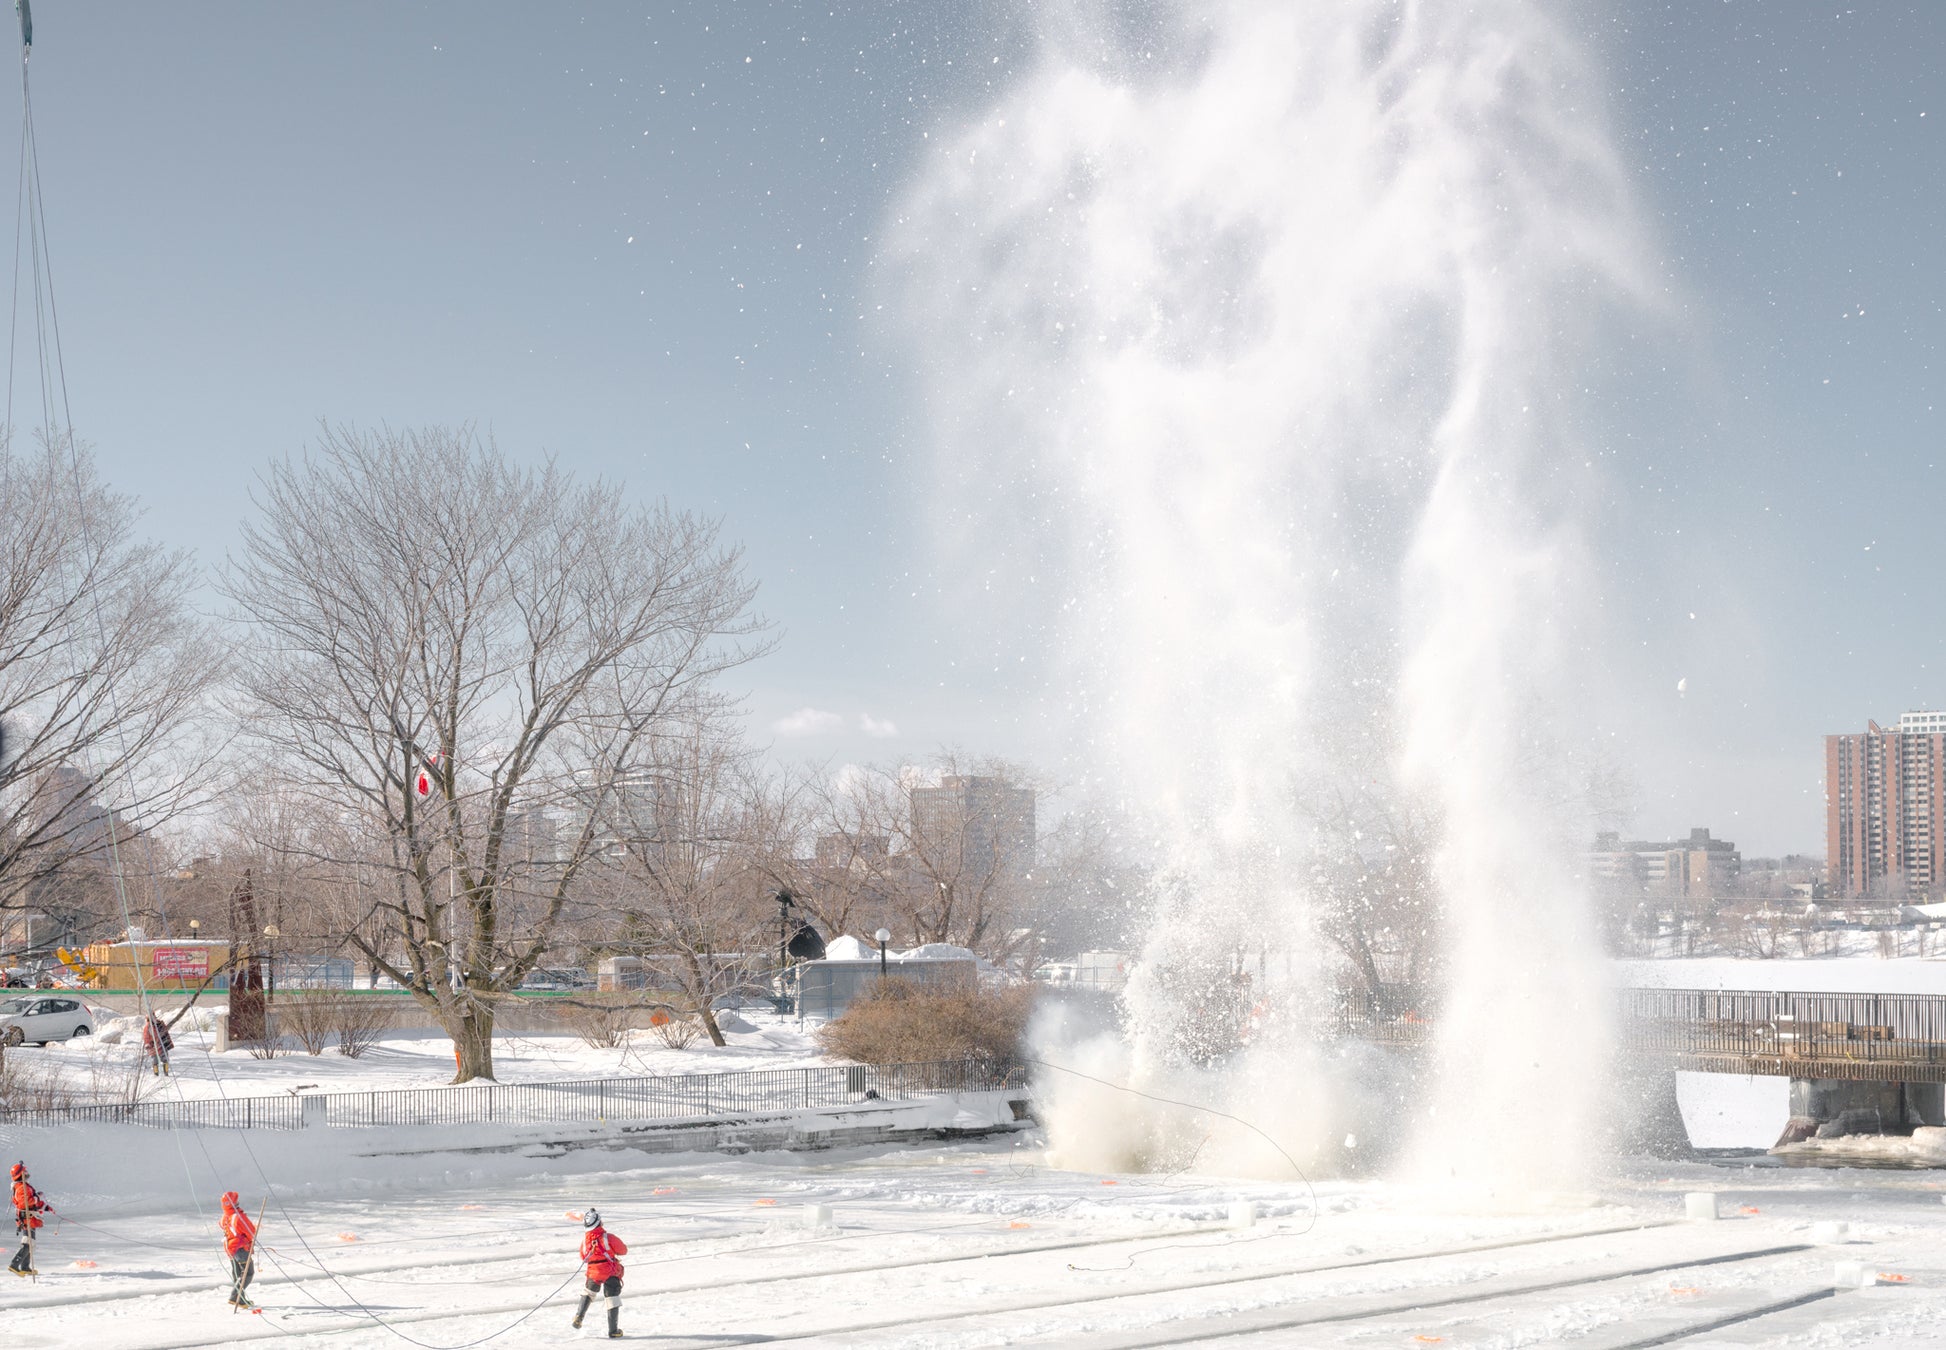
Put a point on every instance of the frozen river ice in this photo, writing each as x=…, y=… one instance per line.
x=980, y=1245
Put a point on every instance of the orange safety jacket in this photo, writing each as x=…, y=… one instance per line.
x=239, y=1234
x=28, y=1206
x=599, y=1248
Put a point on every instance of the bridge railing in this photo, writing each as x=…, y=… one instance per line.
x=1902, y=1029
x=1729, y=1026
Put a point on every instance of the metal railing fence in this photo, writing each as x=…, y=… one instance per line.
x=668, y=1098
x=213, y=1113
x=1408, y=1028
x=1889, y=1029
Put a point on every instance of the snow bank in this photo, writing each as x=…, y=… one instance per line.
x=759, y=1039
x=1812, y=975
x=849, y=948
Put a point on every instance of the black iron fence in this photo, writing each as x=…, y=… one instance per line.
x=213, y=1113
x=668, y=1098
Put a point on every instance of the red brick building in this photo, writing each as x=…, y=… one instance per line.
x=1885, y=808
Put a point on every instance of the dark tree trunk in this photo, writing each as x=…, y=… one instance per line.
x=472, y=1041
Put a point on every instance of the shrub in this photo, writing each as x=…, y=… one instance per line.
x=309, y=1019
x=27, y=1084
x=902, y=1023
x=359, y=1021
x=678, y=1033
x=600, y=1028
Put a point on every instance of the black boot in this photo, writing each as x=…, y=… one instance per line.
x=580, y=1312
x=614, y=1324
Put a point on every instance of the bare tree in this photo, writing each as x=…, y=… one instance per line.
x=1089, y=888
x=461, y=653
x=1376, y=895
x=693, y=867
x=1372, y=866
x=943, y=851
x=304, y=863
x=105, y=670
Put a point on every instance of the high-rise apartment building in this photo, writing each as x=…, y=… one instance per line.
x=985, y=821
x=1885, y=808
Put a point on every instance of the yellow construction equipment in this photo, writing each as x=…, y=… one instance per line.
x=84, y=972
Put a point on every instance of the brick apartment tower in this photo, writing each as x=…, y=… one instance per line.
x=1885, y=808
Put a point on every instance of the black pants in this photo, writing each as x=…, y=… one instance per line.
x=611, y=1288
x=242, y=1270
x=24, y=1258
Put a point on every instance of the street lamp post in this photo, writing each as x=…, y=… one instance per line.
x=884, y=935
x=273, y=933
x=784, y=901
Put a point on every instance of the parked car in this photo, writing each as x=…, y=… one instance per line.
x=41, y=1019
x=557, y=979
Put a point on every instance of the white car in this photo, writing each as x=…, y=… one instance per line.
x=41, y=1018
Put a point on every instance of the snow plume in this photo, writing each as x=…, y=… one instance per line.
x=1266, y=1116
x=1251, y=328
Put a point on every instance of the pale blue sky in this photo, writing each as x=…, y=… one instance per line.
x=266, y=214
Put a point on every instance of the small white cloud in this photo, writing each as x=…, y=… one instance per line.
x=877, y=728
x=808, y=722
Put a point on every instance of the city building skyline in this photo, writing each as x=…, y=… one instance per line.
x=1700, y=866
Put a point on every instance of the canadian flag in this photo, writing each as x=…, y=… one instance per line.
x=423, y=785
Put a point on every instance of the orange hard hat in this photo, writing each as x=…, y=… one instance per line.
x=229, y=1199
x=19, y=1172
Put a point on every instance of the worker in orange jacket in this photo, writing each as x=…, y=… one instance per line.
x=157, y=1043
x=28, y=1208
x=240, y=1244
x=599, y=1248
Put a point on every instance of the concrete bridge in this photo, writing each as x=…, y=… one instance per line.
x=1856, y=1037
x=1849, y=1037
x=1858, y=1063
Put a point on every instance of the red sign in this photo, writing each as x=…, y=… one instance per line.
x=182, y=963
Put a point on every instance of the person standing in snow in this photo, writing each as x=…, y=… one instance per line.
x=28, y=1208
x=240, y=1244
x=599, y=1248
x=157, y=1042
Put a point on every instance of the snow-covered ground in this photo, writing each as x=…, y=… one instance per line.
x=1801, y=975
x=1720, y=1110
x=983, y=1245
x=980, y=1244
x=110, y=1065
